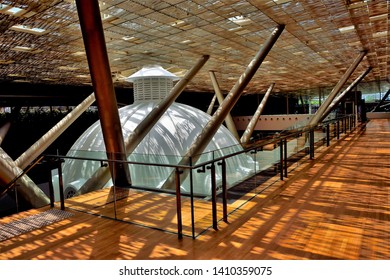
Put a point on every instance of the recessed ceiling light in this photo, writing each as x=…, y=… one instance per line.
x=240, y=20
x=26, y=49
x=9, y=10
x=347, y=29
x=27, y=29
x=83, y=76
x=380, y=34
x=79, y=53
x=128, y=38
x=379, y=17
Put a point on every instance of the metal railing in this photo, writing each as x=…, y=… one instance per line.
x=339, y=125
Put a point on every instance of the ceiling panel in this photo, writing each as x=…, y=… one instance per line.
x=40, y=41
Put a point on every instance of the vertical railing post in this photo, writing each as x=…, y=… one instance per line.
x=285, y=157
x=114, y=186
x=345, y=125
x=281, y=158
x=311, y=146
x=192, y=200
x=327, y=135
x=213, y=196
x=16, y=198
x=351, y=117
x=338, y=130
x=51, y=188
x=178, y=205
x=61, y=183
x=224, y=191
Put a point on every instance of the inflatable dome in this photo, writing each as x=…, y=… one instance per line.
x=166, y=143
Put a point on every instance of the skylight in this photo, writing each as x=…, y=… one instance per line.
x=240, y=20
x=27, y=29
x=9, y=10
x=347, y=29
x=26, y=49
x=128, y=38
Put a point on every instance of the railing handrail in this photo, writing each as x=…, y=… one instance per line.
x=10, y=185
x=256, y=146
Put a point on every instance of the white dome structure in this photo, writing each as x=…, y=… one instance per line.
x=166, y=143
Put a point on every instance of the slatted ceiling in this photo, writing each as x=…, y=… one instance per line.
x=316, y=47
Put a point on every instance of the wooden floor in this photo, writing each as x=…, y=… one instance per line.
x=336, y=206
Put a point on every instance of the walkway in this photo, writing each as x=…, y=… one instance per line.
x=336, y=206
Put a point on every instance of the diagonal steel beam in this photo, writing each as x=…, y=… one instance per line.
x=381, y=102
x=252, y=123
x=315, y=119
x=211, y=106
x=338, y=99
x=228, y=120
x=219, y=116
x=95, y=47
x=26, y=187
x=46, y=140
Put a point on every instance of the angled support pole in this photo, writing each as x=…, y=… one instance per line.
x=252, y=124
x=95, y=47
x=101, y=176
x=26, y=187
x=381, y=102
x=46, y=140
x=228, y=120
x=211, y=106
x=219, y=116
x=338, y=99
x=3, y=131
x=318, y=115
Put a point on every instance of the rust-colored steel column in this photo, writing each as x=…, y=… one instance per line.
x=219, y=116
x=252, y=124
x=337, y=100
x=228, y=120
x=95, y=47
x=315, y=119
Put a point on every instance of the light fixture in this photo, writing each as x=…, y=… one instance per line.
x=10, y=10
x=26, y=49
x=240, y=20
x=346, y=29
x=27, y=29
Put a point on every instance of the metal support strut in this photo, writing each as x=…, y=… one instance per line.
x=95, y=47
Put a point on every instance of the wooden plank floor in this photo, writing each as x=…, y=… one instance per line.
x=336, y=206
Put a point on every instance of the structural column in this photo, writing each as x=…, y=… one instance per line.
x=219, y=116
x=229, y=120
x=318, y=115
x=92, y=30
x=338, y=99
x=46, y=140
x=101, y=176
x=252, y=124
